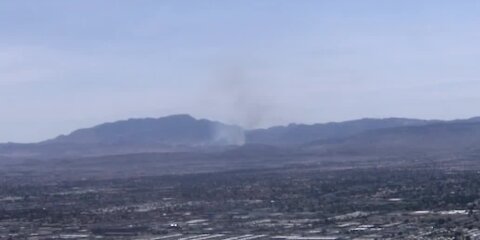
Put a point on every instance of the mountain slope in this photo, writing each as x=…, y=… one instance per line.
x=301, y=133
x=171, y=130
x=452, y=137
x=172, y=133
x=181, y=133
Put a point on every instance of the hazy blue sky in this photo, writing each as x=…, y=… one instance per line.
x=71, y=64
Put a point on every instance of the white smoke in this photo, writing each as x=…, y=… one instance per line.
x=246, y=103
x=243, y=103
x=229, y=135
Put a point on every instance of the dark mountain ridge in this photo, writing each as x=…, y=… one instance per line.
x=451, y=137
x=302, y=133
x=167, y=134
x=171, y=130
x=183, y=133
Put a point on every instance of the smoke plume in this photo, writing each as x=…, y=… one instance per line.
x=243, y=102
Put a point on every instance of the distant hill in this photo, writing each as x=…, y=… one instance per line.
x=297, y=134
x=183, y=133
x=451, y=137
x=172, y=133
x=171, y=130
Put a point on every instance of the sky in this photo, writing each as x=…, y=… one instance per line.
x=72, y=64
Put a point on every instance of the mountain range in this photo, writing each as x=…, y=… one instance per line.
x=183, y=133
